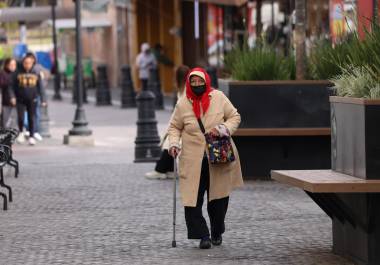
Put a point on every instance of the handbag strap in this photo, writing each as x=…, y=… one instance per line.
x=201, y=125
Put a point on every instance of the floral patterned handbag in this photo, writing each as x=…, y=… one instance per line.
x=219, y=147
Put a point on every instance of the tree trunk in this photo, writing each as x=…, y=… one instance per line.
x=259, y=25
x=300, y=38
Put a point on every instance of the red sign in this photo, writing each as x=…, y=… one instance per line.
x=365, y=15
x=251, y=21
x=215, y=34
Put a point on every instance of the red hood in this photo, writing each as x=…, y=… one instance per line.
x=189, y=92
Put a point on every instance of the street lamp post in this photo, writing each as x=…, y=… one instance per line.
x=57, y=79
x=80, y=123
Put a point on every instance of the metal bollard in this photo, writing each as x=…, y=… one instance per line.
x=211, y=70
x=128, y=94
x=154, y=85
x=57, y=86
x=74, y=90
x=147, y=141
x=44, y=128
x=103, y=93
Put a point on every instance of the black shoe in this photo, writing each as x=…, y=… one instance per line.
x=217, y=241
x=205, y=243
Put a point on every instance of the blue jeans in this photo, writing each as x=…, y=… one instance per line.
x=37, y=117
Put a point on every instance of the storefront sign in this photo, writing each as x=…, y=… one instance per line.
x=251, y=24
x=215, y=34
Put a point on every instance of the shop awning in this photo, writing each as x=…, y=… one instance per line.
x=85, y=23
x=33, y=14
x=224, y=2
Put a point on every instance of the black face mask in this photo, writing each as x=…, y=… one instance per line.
x=198, y=90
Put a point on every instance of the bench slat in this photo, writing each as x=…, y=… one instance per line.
x=282, y=132
x=325, y=181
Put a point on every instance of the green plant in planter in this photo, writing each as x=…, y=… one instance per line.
x=357, y=82
x=260, y=63
x=366, y=52
x=231, y=57
x=327, y=61
x=360, y=75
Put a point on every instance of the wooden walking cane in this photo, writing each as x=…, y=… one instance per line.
x=174, y=244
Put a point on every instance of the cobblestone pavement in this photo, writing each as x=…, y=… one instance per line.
x=93, y=206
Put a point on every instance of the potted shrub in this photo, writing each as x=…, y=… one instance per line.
x=267, y=96
x=285, y=123
x=355, y=146
x=355, y=111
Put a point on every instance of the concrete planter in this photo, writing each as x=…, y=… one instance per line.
x=285, y=124
x=355, y=142
x=280, y=104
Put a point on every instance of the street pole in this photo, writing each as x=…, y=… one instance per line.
x=375, y=11
x=23, y=26
x=272, y=21
x=196, y=30
x=259, y=25
x=300, y=37
x=57, y=79
x=80, y=123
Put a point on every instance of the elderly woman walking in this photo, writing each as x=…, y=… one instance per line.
x=212, y=109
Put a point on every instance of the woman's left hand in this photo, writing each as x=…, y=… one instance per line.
x=43, y=104
x=214, y=132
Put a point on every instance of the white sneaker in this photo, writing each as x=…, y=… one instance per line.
x=170, y=175
x=27, y=133
x=20, y=138
x=32, y=141
x=155, y=175
x=38, y=137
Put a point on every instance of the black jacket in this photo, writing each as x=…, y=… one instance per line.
x=28, y=85
x=6, y=87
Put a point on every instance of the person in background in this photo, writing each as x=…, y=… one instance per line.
x=27, y=84
x=40, y=70
x=8, y=98
x=161, y=58
x=144, y=62
x=164, y=166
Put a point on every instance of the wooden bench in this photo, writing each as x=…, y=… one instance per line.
x=352, y=203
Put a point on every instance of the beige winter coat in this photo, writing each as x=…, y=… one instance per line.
x=183, y=125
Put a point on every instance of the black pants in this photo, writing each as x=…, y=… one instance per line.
x=217, y=209
x=30, y=107
x=144, y=84
x=165, y=164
